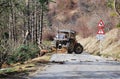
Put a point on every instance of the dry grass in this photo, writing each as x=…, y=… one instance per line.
x=22, y=70
x=110, y=45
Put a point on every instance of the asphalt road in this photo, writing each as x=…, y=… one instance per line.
x=80, y=66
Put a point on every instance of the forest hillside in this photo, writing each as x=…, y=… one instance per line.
x=83, y=15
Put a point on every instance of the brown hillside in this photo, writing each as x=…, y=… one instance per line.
x=82, y=15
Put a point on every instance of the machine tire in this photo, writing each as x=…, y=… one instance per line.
x=78, y=49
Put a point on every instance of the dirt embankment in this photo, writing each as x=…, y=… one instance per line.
x=110, y=44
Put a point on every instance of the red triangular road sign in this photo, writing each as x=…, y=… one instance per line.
x=101, y=24
x=100, y=31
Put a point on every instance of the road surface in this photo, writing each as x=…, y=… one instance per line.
x=81, y=66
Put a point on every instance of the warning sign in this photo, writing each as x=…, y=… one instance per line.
x=100, y=31
x=101, y=24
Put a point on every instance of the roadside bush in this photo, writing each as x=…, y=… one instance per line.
x=4, y=51
x=23, y=53
x=118, y=25
x=113, y=14
x=110, y=4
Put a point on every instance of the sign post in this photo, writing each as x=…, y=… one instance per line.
x=100, y=34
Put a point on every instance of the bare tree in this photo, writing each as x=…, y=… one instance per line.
x=117, y=6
